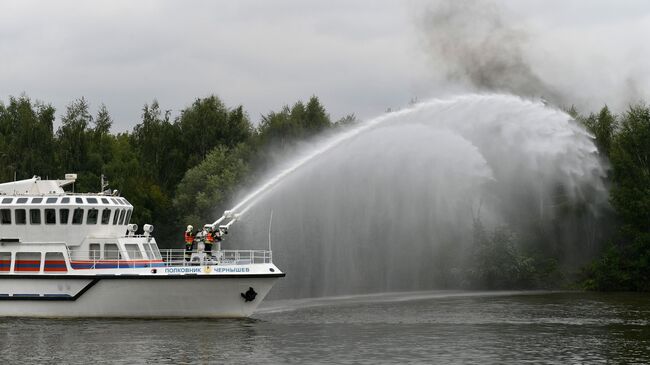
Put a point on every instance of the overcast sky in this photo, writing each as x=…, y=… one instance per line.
x=358, y=57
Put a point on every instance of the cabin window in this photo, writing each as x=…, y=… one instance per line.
x=106, y=216
x=92, y=201
x=156, y=251
x=77, y=216
x=78, y=200
x=54, y=262
x=114, y=201
x=21, y=201
x=147, y=248
x=50, y=216
x=122, y=216
x=119, y=201
x=65, y=200
x=21, y=216
x=92, y=216
x=5, y=216
x=128, y=216
x=111, y=252
x=7, y=200
x=28, y=261
x=105, y=201
x=5, y=261
x=50, y=200
x=35, y=216
x=63, y=216
x=95, y=251
x=116, y=216
x=37, y=200
x=133, y=251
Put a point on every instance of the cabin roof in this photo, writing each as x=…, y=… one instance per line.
x=34, y=186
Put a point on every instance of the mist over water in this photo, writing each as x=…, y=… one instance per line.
x=391, y=205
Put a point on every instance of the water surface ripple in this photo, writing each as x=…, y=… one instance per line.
x=431, y=327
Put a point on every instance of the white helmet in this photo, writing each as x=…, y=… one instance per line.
x=190, y=228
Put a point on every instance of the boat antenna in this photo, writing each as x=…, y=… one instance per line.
x=104, y=183
x=270, y=222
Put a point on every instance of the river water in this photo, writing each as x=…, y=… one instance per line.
x=423, y=327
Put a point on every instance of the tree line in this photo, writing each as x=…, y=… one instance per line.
x=175, y=169
x=624, y=142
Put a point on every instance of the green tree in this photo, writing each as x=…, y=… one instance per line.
x=207, y=187
x=283, y=129
x=103, y=122
x=630, y=157
x=316, y=118
x=208, y=123
x=603, y=125
x=158, y=144
x=279, y=129
x=73, y=144
x=625, y=264
x=27, y=136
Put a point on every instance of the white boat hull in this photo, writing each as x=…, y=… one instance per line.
x=166, y=296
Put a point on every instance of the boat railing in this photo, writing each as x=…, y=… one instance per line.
x=104, y=259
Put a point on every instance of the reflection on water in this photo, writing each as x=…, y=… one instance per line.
x=452, y=327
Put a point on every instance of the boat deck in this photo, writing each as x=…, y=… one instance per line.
x=169, y=258
x=83, y=261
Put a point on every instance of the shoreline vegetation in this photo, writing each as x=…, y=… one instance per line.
x=179, y=170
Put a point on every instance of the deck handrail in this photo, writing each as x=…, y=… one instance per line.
x=98, y=259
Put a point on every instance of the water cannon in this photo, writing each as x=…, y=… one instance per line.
x=223, y=229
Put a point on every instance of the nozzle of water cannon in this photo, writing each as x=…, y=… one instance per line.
x=223, y=229
x=228, y=214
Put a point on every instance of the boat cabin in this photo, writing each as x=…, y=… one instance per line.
x=44, y=229
x=35, y=211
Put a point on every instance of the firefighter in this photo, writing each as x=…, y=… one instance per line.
x=209, y=240
x=189, y=242
x=211, y=236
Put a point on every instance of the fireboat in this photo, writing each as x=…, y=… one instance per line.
x=65, y=254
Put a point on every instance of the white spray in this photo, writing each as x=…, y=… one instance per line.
x=249, y=201
x=389, y=204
